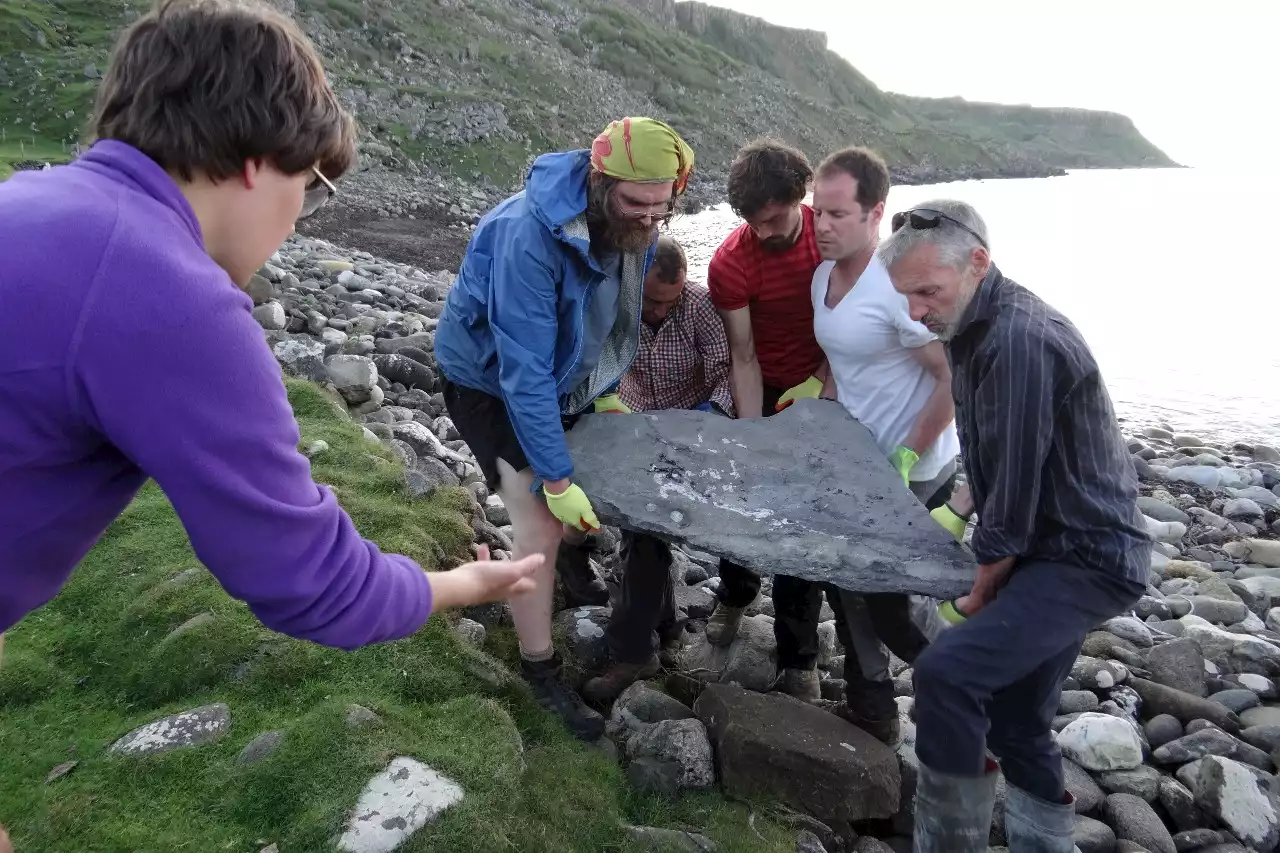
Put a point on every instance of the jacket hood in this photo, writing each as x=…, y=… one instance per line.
x=556, y=188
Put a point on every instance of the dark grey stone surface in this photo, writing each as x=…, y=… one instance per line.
x=805, y=493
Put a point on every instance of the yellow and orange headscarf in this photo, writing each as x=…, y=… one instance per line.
x=643, y=149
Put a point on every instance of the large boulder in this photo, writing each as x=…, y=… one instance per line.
x=1178, y=664
x=1101, y=742
x=775, y=747
x=670, y=756
x=354, y=376
x=1233, y=793
x=302, y=357
x=1266, y=552
x=1134, y=820
x=750, y=660
x=1158, y=699
x=806, y=493
x=1233, y=652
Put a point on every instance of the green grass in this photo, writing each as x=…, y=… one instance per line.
x=98, y=661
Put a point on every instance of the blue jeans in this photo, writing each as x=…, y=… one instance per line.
x=995, y=681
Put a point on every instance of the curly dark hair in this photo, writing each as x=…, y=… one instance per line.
x=767, y=171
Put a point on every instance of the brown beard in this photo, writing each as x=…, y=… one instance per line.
x=782, y=242
x=777, y=244
x=630, y=236
x=611, y=232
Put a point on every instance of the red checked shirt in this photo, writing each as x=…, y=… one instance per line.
x=684, y=362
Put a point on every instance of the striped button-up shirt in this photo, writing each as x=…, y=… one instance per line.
x=1050, y=475
x=682, y=363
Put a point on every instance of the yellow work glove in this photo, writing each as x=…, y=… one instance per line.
x=950, y=521
x=612, y=403
x=573, y=508
x=951, y=613
x=809, y=388
x=903, y=459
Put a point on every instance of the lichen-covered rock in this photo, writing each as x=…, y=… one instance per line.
x=395, y=804
x=190, y=728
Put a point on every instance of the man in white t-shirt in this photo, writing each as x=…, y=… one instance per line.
x=891, y=373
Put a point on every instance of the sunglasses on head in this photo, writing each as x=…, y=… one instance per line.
x=923, y=219
x=317, y=194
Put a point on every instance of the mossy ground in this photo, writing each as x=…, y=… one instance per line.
x=98, y=661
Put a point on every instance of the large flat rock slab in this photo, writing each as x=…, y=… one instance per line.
x=804, y=493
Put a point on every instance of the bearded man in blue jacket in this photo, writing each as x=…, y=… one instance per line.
x=540, y=325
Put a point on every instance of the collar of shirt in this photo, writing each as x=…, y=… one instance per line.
x=983, y=304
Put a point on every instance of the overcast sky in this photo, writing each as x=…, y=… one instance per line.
x=1193, y=75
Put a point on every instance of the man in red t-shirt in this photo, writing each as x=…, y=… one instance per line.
x=760, y=280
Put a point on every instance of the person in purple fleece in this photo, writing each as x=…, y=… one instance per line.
x=128, y=351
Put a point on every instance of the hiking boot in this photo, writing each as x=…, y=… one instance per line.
x=887, y=730
x=606, y=687
x=722, y=627
x=546, y=680
x=803, y=684
x=578, y=580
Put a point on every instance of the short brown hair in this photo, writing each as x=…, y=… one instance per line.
x=765, y=172
x=201, y=86
x=669, y=260
x=864, y=166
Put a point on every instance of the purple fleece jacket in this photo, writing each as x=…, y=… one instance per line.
x=127, y=353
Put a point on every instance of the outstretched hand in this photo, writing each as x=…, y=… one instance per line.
x=483, y=581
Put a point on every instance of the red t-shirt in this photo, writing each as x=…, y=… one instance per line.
x=777, y=289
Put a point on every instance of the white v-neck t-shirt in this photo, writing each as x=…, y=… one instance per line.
x=868, y=339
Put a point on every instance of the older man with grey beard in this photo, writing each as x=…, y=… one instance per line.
x=1060, y=542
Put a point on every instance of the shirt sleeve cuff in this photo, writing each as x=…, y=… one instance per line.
x=989, y=547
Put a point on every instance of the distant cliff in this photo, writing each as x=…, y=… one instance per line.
x=470, y=90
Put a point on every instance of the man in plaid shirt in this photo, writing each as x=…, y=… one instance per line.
x=683, y=363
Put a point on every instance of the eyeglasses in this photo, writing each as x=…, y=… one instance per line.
x=923, y=219
x=661, y=212
x=317, y=194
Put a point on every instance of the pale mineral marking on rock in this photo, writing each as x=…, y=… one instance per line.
x=806, y=493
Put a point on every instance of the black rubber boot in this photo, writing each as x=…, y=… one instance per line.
x=578, y=580
x=1033, y=825
x=546, y=680
x=953, y=813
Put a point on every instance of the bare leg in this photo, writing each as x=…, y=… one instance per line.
x=535, y=531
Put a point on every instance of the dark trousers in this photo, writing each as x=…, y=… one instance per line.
x=889, y=614
x=995, y=680
x=796, y=602
x=647, y=599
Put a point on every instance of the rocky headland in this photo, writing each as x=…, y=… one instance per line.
x=454, y=99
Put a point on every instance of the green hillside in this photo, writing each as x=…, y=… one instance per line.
x=472, y=90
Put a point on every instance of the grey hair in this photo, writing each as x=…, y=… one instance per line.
x=955, y=245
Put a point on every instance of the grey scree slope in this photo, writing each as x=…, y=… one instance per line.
x=804, y=493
